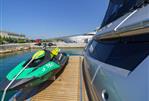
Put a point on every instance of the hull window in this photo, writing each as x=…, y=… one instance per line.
x=126, y=53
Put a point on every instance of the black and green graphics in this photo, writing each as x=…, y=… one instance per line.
x=43, y=65
x=31, y=71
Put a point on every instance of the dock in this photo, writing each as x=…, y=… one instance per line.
x=9, y=48
x=69, y=86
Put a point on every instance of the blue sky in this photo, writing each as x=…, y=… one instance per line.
x=52, y=18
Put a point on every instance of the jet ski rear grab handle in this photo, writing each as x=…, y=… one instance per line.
x=5, y=90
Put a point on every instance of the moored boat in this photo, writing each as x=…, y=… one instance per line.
x=44, y=65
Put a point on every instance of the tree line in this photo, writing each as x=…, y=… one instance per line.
x=5, y=40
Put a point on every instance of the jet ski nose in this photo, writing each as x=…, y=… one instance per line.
x=3, y=84
x=15, y=85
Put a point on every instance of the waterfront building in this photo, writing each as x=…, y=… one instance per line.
x=12, y=35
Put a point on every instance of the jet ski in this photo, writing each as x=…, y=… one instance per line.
x=42, y=66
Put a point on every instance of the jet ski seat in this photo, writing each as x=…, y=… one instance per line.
x=40, y=61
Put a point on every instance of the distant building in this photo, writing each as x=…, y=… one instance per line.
x=12, y=35
x=84, y=38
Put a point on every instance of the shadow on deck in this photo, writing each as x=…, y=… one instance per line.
x=65, y=88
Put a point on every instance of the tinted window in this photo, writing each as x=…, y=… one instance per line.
x=118, y=8
x=88, y=45
x=125, y=53
x=92, y=46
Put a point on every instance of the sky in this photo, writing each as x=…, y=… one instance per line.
x=51, y=18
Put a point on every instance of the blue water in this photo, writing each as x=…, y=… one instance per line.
x=9, y=61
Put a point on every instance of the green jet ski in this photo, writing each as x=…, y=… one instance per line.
x=44, y=65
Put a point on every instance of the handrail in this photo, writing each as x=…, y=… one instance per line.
x=115, y=29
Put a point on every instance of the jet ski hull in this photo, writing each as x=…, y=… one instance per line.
x=33, y=76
